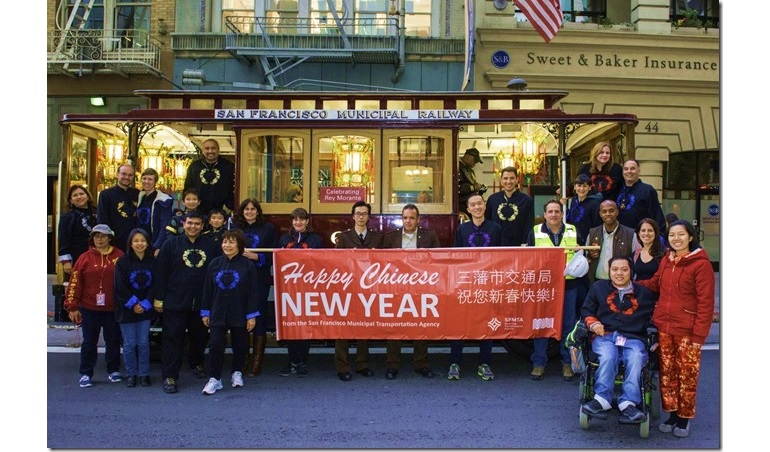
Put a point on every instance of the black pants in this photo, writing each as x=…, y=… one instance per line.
x=239, y=339
x=95, y=322
x=175, y=325
x=298, y=350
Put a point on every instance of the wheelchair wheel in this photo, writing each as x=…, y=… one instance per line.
x=584, y=420
x=644, y=427
x=655, y=404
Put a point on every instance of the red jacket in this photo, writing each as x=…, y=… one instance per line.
x=686, y=302
x=93, y=272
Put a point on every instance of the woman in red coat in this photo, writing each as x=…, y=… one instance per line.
x=683, y=316
x=90, y=302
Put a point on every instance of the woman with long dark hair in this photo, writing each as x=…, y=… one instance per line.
x=259, y=234
x=134, y=295
x=75, y=227
x=648, y=256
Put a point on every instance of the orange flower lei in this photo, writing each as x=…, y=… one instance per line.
x=630, y=296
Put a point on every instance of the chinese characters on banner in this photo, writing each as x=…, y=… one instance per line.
x=437, y=293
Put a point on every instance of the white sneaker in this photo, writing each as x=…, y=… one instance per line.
x=212, y=386
x=237, y=379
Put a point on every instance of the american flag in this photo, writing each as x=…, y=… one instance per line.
x=544, y=15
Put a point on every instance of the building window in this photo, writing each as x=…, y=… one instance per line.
x=418, y=17
x=707, y=13
x=371, y=17
x=690, y=170
x=95, y=19
x=132, y=23
x=588, y=11
x=240, y=13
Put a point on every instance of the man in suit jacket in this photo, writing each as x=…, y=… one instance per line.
x=614, y=239
x=360, y=236
x=409, y=236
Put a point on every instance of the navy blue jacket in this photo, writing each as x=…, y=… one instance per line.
x=584, y=215
x=516, y=215
x=74, y=228
x=470, y=235
x=215, y=183
x=153, y=214
x=260, y=235
x=181, y=269
x=294, y=239
x=605, y=183
x=117, y=209
x=604, y=305
x=637, y=202
x=230, y=292
x=134, y=283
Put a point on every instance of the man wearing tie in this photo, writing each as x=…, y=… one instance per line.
x=357, y=237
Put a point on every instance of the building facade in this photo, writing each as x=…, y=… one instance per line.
x=616, y=56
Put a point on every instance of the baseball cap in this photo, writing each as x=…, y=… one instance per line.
x=103, y=228
x=474, y=152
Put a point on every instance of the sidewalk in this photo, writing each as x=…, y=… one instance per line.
x=64, y=337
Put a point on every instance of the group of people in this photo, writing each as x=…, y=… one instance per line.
x=130, y=259
x=644, y=269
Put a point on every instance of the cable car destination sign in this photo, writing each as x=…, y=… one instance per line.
x=333, y=115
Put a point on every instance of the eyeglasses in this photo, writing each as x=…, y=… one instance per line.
x=360, y=214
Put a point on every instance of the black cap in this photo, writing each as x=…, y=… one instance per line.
x=475, y=153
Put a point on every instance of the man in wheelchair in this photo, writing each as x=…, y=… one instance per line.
x=618, y=312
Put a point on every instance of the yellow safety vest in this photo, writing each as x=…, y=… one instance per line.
x=569, y=239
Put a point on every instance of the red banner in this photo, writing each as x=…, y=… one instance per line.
x=437, y=293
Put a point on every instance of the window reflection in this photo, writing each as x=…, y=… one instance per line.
x=275, y=168
x=415, y=166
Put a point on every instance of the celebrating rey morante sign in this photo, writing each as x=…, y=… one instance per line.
x=437, y=293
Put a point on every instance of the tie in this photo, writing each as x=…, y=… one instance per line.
x=361, y=236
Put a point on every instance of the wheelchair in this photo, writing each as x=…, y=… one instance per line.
x=586, y=361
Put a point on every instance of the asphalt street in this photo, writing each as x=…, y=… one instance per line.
x=320, y=411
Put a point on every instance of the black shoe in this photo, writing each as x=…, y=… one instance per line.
x=425, y=372
x=169, y=386
x=290, y=369
x=594, y=409
x=131, y=381
x=199, y=371
x=391, y=374
x=144, y=380
x=366, y=372
x=344, y=376
x=631, y=415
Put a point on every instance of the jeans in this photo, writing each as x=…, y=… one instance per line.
x=93, y=323
x=485, y=351
x=539, y=355
x=136, y=348
x=633, y=353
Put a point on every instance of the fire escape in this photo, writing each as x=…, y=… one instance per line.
x=281, y=43
x=75, y=50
